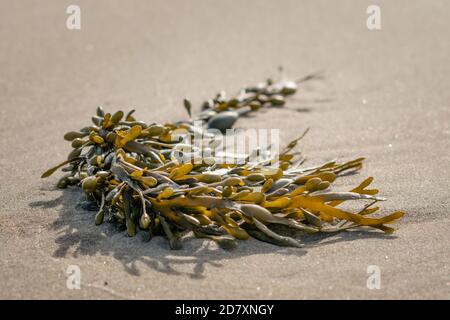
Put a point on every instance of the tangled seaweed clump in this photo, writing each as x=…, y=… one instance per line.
x=130, y=170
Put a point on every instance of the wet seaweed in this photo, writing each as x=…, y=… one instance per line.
x=131, y=171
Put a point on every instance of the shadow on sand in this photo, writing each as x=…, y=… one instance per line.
x=77, y=235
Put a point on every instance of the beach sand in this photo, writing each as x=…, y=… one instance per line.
x=385, y=96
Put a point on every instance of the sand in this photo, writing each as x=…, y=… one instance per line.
x=385, y=96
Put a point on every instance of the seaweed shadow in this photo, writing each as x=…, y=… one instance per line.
x=77, y=235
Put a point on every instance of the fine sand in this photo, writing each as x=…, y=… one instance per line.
x=385, y=96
